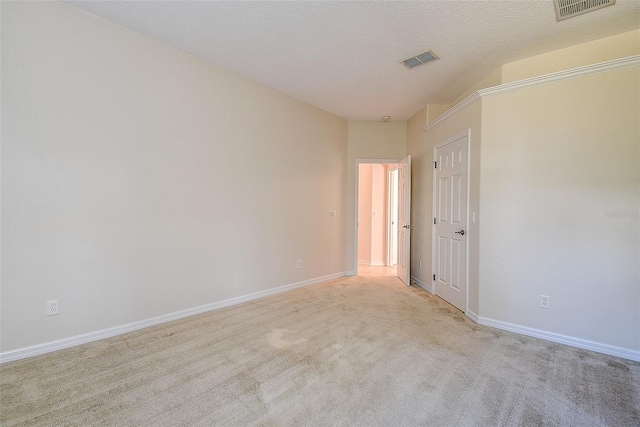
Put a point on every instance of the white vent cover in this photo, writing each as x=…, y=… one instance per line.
x=569, y=8
x=423, y=58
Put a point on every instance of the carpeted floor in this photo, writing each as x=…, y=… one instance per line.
x=357, y=351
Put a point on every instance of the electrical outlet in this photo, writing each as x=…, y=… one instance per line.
x=52, y=308
x=419, y=263
x=299, y=264
x=544, y=301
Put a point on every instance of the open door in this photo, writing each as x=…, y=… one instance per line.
x=404, y=220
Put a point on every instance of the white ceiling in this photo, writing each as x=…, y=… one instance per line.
x=343, y=56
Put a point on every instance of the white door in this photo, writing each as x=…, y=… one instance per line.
x=404, y=219
x=450, y=263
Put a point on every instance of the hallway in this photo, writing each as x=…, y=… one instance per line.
x=369, y=271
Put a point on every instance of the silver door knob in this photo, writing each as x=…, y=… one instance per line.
x=461, y=232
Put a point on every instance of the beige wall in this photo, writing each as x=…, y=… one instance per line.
x=421, y=150
x=368, y=140
x=493, y=79
x=138, y=180
x=555, y=184
x=606, y=49
x=421, y=210
x=556, y=161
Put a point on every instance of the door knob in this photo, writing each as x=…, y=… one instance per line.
x=461, y=232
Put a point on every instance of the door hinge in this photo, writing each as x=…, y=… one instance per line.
x=435, y=165
x=434, y=221
x=434, y=277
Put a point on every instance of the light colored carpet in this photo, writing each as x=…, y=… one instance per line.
x=356, y=351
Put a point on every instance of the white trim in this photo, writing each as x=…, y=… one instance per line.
x=350, y=273
x=563, y=339
x=48, y=347
x=471, y=315
x=372, y=263
x=421, y=284
x=574, y=73
x=451, y=111
x=392, y=229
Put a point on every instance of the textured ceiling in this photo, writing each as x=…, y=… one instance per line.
x=344, y=56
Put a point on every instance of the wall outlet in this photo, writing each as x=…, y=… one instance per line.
x=419, y=263
x=299, y=264
x=52, y=308
x=544, y=301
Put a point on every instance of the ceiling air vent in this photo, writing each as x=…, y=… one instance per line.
x=569, y=8
x=423, y=58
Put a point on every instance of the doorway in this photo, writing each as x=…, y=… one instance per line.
x=377, y=209
x=450, y=248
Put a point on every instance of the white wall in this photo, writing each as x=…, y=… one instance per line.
x=420, y=146
x=555, y=180
x=601, y=50
x=138, y=180
x=560, y=197
x=368, y=140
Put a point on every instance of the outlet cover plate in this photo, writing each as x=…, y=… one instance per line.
x=52, y=308
x=544, y=301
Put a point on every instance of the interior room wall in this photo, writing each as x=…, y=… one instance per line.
x=138, y=180
x=421, y=158
x=420, y=147
x=368, y=140
x=559, y=208
x=567, y=208
x=601, y=50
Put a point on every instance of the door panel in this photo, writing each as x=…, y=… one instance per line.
x=451, y=222
x=443, y=266
x=404, y=220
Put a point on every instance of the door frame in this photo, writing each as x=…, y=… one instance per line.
x=357, y=192
x=434, y=194
x=392, y=229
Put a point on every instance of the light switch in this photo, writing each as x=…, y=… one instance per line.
x=333, y=214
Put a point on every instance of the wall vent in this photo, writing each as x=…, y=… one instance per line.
x=423, y=58
x=570, y=8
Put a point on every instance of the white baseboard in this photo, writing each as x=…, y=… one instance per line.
x=48, y=347
x=350, y=273
x=372, y=263
x=420, y=283
x=471, y=315
x=611, y=350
